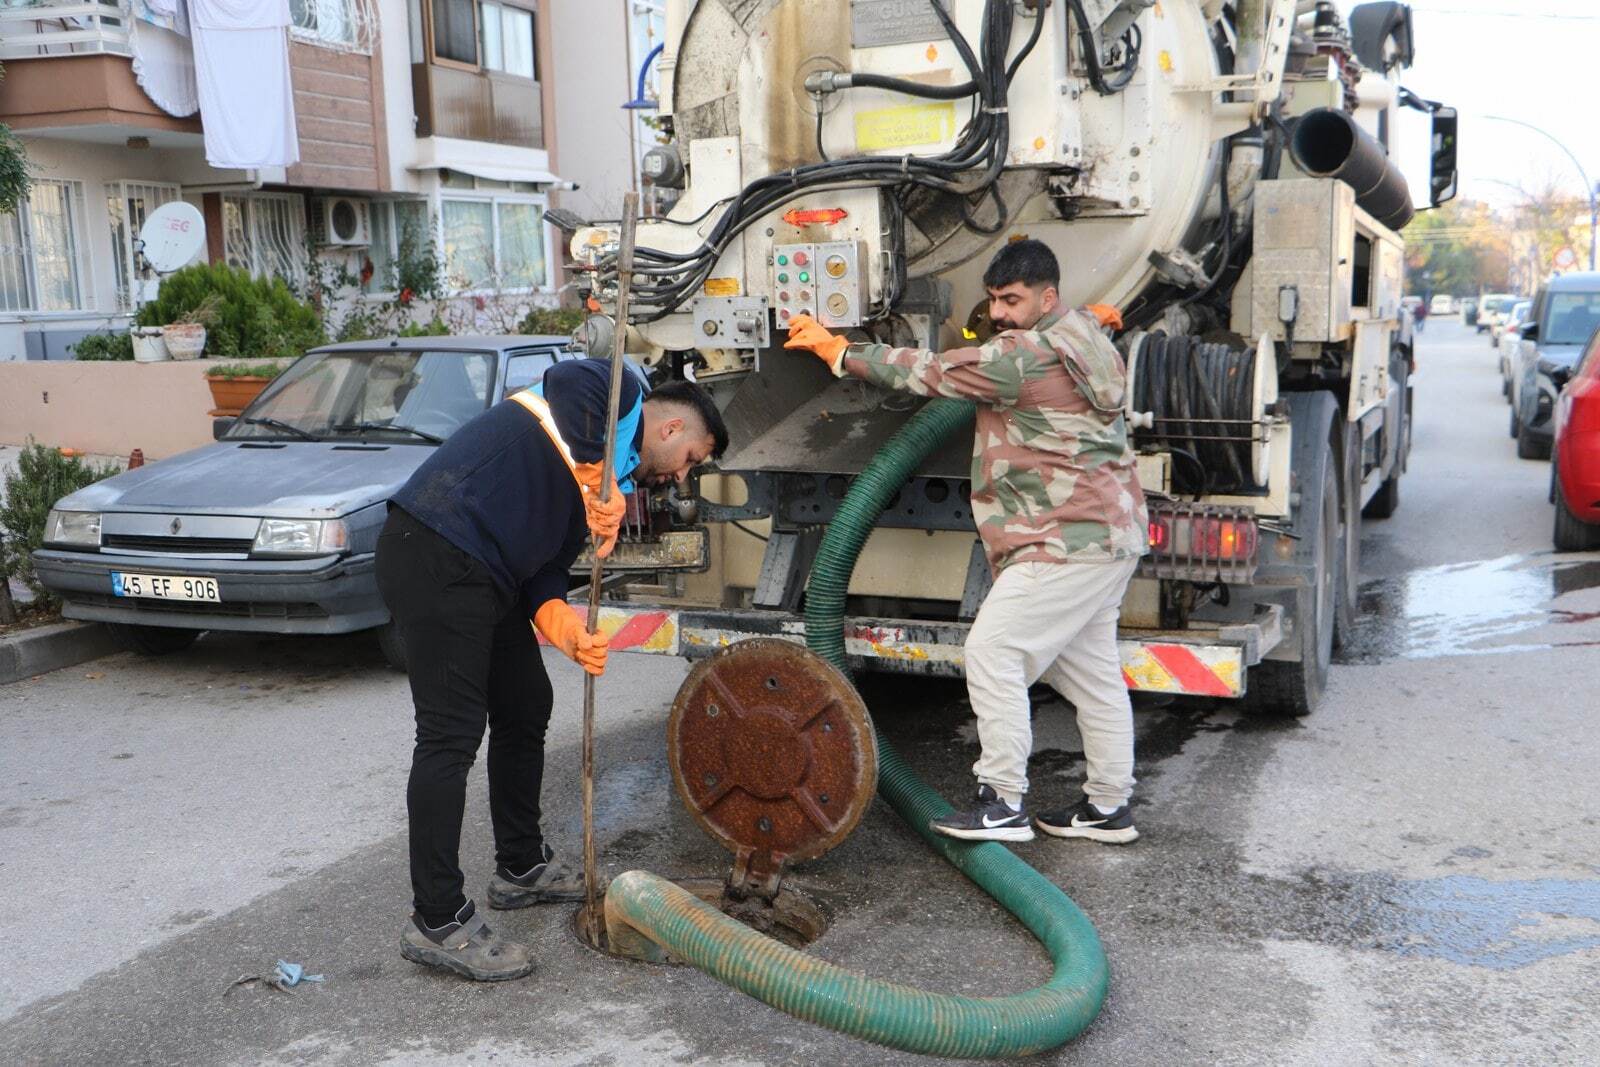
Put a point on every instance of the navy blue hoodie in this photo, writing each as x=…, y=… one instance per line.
x=498, y=490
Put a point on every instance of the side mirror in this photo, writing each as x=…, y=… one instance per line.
x=221, y=426
x=1442, y=184
x=1530, y=332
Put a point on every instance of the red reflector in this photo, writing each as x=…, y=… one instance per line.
x=827, y=216
x=1160, y=536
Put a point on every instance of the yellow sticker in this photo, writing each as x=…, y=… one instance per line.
x=1165, y=61
x=722, y=286
x=904, y=127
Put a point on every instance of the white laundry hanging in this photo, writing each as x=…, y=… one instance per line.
x=241, y=60
x=163, y=59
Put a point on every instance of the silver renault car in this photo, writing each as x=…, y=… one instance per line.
x=273, y=527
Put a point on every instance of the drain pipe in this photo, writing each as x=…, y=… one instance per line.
x=648, y=916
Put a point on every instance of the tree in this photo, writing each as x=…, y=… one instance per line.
x=13, y=168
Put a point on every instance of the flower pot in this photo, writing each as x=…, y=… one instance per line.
x=148, y=345
x=233, y=395
x=185, y=340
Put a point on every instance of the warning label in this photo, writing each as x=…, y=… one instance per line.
x=910, y=126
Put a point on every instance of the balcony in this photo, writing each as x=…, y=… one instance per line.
x=36, y=29
x=477, y=105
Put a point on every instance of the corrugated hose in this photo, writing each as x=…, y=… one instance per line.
x=639, y=904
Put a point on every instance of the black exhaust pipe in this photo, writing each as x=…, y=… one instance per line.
x=1328, y=144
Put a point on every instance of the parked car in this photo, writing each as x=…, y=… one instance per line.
x=1575, y=464
x=1489, y=309
x=1565, y=312
x=273, y=528
x=1509, y=336
x=1469, y=312
x=1443, y=304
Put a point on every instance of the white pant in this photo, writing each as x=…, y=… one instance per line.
x=1056, y=621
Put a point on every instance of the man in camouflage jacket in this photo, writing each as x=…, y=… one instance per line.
x=1062, y=520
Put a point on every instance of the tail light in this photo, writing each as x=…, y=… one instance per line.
x=1202, y=543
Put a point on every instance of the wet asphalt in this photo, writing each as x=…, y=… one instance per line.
x=1408, y=876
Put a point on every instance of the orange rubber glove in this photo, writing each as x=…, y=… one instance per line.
x=1108, y=315
x=807, y=333
x=564, y=628
x=605, y=519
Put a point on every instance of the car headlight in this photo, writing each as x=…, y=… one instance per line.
x=77, y=528
x=301, y=537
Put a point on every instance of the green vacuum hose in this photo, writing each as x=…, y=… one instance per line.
x=641, y=907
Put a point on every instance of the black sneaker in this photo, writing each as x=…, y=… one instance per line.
x=988, y=819
x=1085, y=820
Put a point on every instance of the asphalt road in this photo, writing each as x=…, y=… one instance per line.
x=1409, y=876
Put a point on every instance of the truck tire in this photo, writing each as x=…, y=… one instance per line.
x=1281, y=689
x=392, y=645
x=1516, y=424
x=1572, y=534
x=152, y=640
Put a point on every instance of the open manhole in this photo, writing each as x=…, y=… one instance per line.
x=793, y=917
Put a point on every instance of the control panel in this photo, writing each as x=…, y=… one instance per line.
x=824, y=280
x=732, y=321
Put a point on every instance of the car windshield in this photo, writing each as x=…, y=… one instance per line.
x=1570, y=318
x=397, y=395
x=1491, y=303
x=1520, y=312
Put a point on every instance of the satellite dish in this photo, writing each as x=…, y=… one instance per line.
x=172, y=236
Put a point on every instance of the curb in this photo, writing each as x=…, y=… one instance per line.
x=49, y=648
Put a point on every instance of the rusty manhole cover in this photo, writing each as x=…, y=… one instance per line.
x=772, y=752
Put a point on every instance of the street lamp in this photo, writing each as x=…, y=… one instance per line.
x=1588, y=186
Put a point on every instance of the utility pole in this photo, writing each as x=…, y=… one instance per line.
x=1589, y=187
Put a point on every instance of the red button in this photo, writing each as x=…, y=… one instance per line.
x=784, y=296
x=800, y=259
x=783, y=313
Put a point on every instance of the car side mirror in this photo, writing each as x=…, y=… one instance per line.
x=1530, y=332
x=1443, y=178
x=221, y=426
x=1560, y=377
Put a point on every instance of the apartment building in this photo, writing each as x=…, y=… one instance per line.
x=430, y=117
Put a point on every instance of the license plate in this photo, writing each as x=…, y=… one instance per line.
x=165, y=587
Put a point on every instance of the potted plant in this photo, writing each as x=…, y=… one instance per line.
x=235, y=385
x=186, y=335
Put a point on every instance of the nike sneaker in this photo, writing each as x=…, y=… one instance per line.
x=988, y=819
x=1085, y=820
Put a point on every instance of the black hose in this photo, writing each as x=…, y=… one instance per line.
x=1202, y=398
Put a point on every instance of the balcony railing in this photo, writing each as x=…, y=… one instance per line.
x=36, y=29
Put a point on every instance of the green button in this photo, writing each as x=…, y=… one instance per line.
x=783, y=261
x=805, y=276
x=783, y=279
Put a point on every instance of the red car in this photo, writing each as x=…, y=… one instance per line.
x=1575, y=466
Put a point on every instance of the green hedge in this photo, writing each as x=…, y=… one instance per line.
x=253, y=316
x=104, y=346
x=42, y=477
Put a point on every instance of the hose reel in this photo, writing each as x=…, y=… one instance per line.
x=1212, y=403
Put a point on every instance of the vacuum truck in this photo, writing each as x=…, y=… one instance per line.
x=1224, y=173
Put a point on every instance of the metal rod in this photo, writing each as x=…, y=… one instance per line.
x=591, y=894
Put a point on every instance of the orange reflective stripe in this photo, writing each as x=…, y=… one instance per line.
x=540, y=410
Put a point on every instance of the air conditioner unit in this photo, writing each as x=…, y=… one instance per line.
x=344, y=222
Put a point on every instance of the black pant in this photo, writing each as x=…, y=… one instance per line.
x=473, y=659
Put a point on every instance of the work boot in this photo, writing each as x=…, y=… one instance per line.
x=546, y=882
x=1087, y=821
x=988, y=819
x=466, y=946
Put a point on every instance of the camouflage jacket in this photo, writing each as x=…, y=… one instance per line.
x=1053, y=478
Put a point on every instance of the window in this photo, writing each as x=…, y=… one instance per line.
x=128, y=204
x=524, y=369
x=39, y=246
x=494, y=244
x=508, y=39
x=455, y=31
x=265, y=233
x=340, y=23
x=400, y=232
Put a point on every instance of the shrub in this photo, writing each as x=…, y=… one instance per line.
x=435, y=327
x=246, y=370
x=104, y=346
x=42, y=477
x=249, y=316
x=552, y=320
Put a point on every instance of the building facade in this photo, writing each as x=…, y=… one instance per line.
x=424, y=126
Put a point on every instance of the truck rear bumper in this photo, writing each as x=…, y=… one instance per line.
x=1205, y=661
